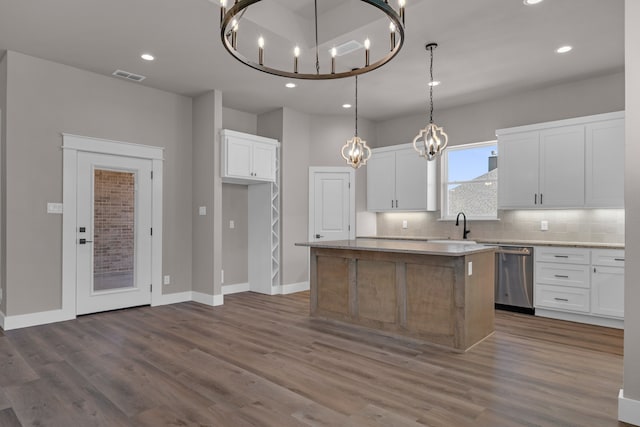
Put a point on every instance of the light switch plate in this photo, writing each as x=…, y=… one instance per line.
x=232, y=224
x=54, y=208
x=544, y=225
x=167, y=280
x=405, y=224
x=202, y=210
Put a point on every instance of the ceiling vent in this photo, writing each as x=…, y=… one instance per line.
x=129, y=76
x=348, y=47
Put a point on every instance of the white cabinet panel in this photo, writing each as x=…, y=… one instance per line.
x=563, y=255
x=562, y=167
x=238, y=158
x=264, y=166
x=518, y=170
x=563, y=298
x=562, y=274
x=604, y=164
x=607, y=257
x=607, y=291
x=397, y=180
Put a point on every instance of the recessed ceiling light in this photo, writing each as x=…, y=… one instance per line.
x=434, y=83
x=290, y=85
x=147, y=57
x=564, y=49
x=532, y=2
x=346, y=105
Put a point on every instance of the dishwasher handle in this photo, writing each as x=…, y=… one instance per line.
x=519, y=251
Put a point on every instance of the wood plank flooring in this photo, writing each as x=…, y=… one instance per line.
x=262, y=361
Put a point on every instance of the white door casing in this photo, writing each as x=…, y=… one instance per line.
x=331, y=203
x=120, y=289
x=73, y=146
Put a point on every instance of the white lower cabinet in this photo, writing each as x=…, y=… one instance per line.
x=580, y=284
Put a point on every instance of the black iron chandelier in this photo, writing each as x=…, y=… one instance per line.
x=231, y=17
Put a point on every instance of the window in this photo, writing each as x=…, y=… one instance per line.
x=470, y=181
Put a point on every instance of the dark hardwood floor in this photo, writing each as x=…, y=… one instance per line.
x=261, y=361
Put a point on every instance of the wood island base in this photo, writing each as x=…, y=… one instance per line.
x=429, y=297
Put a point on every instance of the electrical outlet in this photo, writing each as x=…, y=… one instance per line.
x=470, y=269
x=221, y=276
x=405, y=224
x=167, y=280
x=202, y=210
x=232, y=224
x=544, y=225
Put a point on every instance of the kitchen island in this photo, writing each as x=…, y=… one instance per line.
x=437, y=292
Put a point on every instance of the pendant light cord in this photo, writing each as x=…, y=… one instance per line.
x=317, y=53
x=356, y=105
x=431, y=85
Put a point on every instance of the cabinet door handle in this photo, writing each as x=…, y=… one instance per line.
x=561, y=276
x=562, y=299
x=392, y=203
x=535, y=199
x=540, y=198
x=396, y=203
x=561, y=256
x=618, y=259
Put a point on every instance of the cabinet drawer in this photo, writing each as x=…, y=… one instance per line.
x=562, y=274
x=607, y=257
x=563, y=255
x=559, y=297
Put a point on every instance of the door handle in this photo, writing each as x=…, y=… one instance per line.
x=319, y=236
x=85, y=241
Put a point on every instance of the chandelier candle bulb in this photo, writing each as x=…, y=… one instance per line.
x=334, y=52
x=367, y=45
x=261, y=51
x=401, y=3
x=296, y=54
x=234, y=34
x=223, y=9
x=392, y=31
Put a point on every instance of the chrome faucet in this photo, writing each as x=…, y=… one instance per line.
x=464, y=225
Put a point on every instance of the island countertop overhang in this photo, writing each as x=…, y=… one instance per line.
x=401, y=246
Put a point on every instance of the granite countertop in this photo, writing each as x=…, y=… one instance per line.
x=512, y=242
x=401, y=246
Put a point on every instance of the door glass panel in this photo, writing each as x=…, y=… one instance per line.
x=113, y=230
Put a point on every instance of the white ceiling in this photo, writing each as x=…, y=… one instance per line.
x=487, y=48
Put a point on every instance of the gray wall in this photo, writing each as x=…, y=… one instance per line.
x=478, y=122
x=632, y=203
x=45, y=99
x=207, y=191
x=3, y=180
x=239, y=121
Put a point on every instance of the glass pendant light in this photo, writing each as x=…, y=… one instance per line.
x=355, y=151
x=432, y=140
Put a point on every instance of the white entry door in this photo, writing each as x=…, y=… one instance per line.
x=331, y=206
x=113, y=244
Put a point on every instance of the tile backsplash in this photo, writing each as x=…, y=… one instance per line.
x=577, y=225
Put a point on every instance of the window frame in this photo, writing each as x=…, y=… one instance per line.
x=444, y=173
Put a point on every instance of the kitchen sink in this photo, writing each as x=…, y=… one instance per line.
x=454, y=242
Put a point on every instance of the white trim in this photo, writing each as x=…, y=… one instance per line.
x=107, y=146
x=352, y=196
x=393, y=148
x=34, y=319
x=72, y=144
x=2, y=321
x=175, y=298
x=558, y=123
x=628, y=409
x=206, y=299
x=581, y=318
x=292, y=288
x=227, y=132
x=236, y=288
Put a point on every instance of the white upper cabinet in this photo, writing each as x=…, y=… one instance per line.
x=562, y=167
x=399, y=180
x=571, y=163
x=248, y=158
x=605, y=164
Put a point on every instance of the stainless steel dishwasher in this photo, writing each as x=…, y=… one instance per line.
x=514, y=278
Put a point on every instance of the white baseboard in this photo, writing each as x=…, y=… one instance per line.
x=234, y=289
x=2, y=320
x=206, y=299
x=33, y=319
x=292, y=288
x=175, y=298
x=628, y=409
x=581, y=318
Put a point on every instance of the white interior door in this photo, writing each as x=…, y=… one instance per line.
x=331, y=204
x=114, y=234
